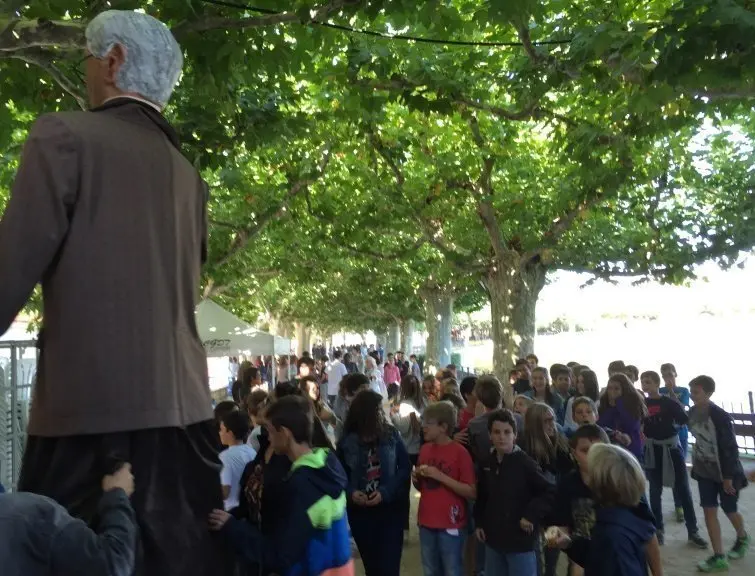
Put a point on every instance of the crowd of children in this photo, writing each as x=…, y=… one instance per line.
x=502, y=492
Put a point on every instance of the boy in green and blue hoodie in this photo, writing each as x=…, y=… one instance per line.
x=314, y=537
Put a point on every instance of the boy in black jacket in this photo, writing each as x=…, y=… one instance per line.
x=512, y=499
x=718, y=471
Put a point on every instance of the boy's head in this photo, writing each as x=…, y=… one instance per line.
x=521, y=404
x=615, y=477
x=438, y=421
x=533, y=361
x=584, y=437
x=390, y=358
x=650, y=382
x=413, y=357
x=224, y=408
x=305, y=366
x=554, y=368
x=452, y=368
x=467, y=391
x=701, y=389
x=352, y=384
x=234, y=428
x=489, y=392
x=616, y=367
x=668, y=373
x=562, y=380
x=289, y=422
x=523, y=367
x=584, y=411
x=632, y=372
x=502, y=429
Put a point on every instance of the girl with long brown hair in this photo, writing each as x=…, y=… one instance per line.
x=622, y=409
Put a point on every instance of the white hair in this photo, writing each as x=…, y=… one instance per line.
x=153, y=58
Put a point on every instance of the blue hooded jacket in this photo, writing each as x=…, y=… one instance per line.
x=617, y=543
x=312, y=537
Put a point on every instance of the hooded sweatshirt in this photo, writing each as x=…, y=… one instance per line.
x=312, y=537
x=617, y=543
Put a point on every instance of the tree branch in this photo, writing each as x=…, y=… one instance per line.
x=246, y=235
x=44, y=61
x=485, y=208
x=21, y=33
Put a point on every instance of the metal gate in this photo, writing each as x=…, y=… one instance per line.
x=18, y=367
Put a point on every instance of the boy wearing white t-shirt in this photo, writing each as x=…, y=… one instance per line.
x=234, y=428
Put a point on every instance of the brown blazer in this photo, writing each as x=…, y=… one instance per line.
x=111, y=218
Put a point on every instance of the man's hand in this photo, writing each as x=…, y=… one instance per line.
x=122, y=479
x=526, y=526
x=218, y=519
x=729, y=487
x=480, y=533
x=359, y=498
x=374, y=499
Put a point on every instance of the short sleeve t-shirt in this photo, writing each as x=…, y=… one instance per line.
x=234, y=459
x=372, y=479
x=439, y=507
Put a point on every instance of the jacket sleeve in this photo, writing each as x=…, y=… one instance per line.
x=728, y=451
x=543, y=492
x=37, y=217
x=482, y=496
x=341, y=454
x=677, y=413
x=203, y=223
x=110, y=551
x=396, y=487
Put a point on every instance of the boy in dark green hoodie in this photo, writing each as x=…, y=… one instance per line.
x=313, y=538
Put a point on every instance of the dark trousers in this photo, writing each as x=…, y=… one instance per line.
x=177, y=477
x=681, y=489
x=379, y=536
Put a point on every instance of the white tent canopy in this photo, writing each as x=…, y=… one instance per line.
x=223, y=334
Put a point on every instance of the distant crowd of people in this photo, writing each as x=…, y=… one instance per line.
x=510, y=476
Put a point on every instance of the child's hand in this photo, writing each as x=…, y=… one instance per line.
x=729, y=487
x=122, y=479
x=374, y=499
x=415, y=476
x=526, y=526
x=480, y=533
x=623, y=439
x=359, y=498
x=430, y=472
x=218, y=519
x=462, y=437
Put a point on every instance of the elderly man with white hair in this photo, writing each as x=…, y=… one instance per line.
x=110, y=217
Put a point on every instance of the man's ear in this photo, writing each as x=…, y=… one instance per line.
x=115, y=59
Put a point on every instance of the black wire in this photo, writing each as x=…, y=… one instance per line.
x=385, y=36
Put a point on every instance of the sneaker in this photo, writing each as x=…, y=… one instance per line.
x=739, y=550
x=679, y=515
x=716, y=563
x=697, y=540
x=661, y=537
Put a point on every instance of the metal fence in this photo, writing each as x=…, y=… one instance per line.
x=18, y=365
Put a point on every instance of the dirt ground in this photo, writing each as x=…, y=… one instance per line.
x=679, y=559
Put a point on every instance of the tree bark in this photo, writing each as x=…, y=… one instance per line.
x=407, y=336
x=513, y=289
x=439, y=308
x=394, y=338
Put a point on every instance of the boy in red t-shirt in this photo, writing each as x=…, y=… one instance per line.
x=445, y=477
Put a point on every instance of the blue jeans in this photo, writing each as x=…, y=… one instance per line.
x=441, y=552
x=499, y=564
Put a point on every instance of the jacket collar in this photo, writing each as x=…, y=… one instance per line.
x=146, y=109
